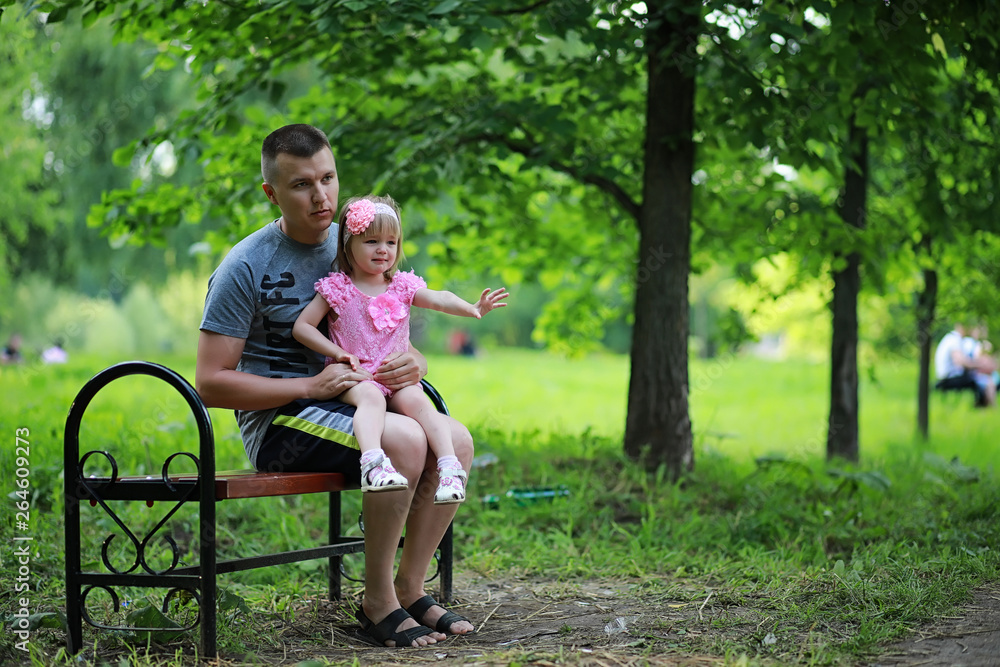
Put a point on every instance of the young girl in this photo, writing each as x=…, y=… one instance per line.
x=367, y=303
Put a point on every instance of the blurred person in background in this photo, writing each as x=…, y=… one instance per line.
x=12, y=350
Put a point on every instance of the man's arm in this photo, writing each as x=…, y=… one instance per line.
x=220, y=385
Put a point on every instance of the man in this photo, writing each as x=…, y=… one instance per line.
x=285, y=399
x=957, y=369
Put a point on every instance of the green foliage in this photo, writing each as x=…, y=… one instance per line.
x=133, y=319
x=919, y=84
x=71, y=98
x=147, y=616
x=786, y=537
x=438, y=114
x=970, y=274
x=30, y=204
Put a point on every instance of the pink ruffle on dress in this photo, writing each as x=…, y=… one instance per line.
x=370, y=328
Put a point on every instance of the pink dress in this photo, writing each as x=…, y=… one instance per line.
x=371, y=328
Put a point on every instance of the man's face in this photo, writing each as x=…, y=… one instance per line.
x=306, y=191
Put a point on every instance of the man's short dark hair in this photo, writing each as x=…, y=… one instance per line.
x=300, y=140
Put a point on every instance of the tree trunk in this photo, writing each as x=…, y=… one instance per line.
x=658, y=426
x=842, y=433
x=926, y=305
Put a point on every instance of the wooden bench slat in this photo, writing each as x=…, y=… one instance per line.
x=252, y=484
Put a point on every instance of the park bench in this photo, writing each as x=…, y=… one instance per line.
x=959, y=385
x=205, y=487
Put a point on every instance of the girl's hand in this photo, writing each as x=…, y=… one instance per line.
x=489, y=300
x=350, y=359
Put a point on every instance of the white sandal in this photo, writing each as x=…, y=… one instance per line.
x=379, y=475
x=451, y=486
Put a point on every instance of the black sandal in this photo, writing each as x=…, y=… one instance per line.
x=381, y=632
x=449, y=618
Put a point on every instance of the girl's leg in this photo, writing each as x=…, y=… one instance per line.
x=452, y=479
x=412, y=402
x=369, y=419
x=377, y=472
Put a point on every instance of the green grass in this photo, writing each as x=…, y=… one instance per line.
x=741, y=407
x=839, y=557
x=523, y=390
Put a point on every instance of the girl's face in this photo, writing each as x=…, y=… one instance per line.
x=374, y=254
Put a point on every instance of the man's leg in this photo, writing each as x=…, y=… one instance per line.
x=315, y=435
x=425, y=527
x=385, y=515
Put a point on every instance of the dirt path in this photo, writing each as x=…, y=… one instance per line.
x=585, y=624
x=969, y=638
x=604, y=624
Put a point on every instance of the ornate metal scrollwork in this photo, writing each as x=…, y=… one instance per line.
x=141, y=545
x=190, y=591
x=86, y=614
x=115, y=601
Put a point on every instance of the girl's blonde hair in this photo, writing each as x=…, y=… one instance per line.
x=382, y=223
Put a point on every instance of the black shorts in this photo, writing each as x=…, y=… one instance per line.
x=312, y=436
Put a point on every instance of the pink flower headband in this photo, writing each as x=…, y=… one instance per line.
x=361, y=213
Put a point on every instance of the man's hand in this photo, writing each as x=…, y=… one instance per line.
x=401, y=370
x=335, y=379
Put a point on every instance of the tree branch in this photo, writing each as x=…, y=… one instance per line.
x=602, y=182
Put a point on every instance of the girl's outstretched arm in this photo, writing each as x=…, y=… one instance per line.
x=447, y=302
x=304, y=330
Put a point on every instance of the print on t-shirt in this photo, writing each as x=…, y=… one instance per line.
x=287, y=355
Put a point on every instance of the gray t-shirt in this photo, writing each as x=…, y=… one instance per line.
x=256, y=293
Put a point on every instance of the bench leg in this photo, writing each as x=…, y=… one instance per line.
x=335, y=527
x=74, y=616
x=208, y=608
x=447, y=560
